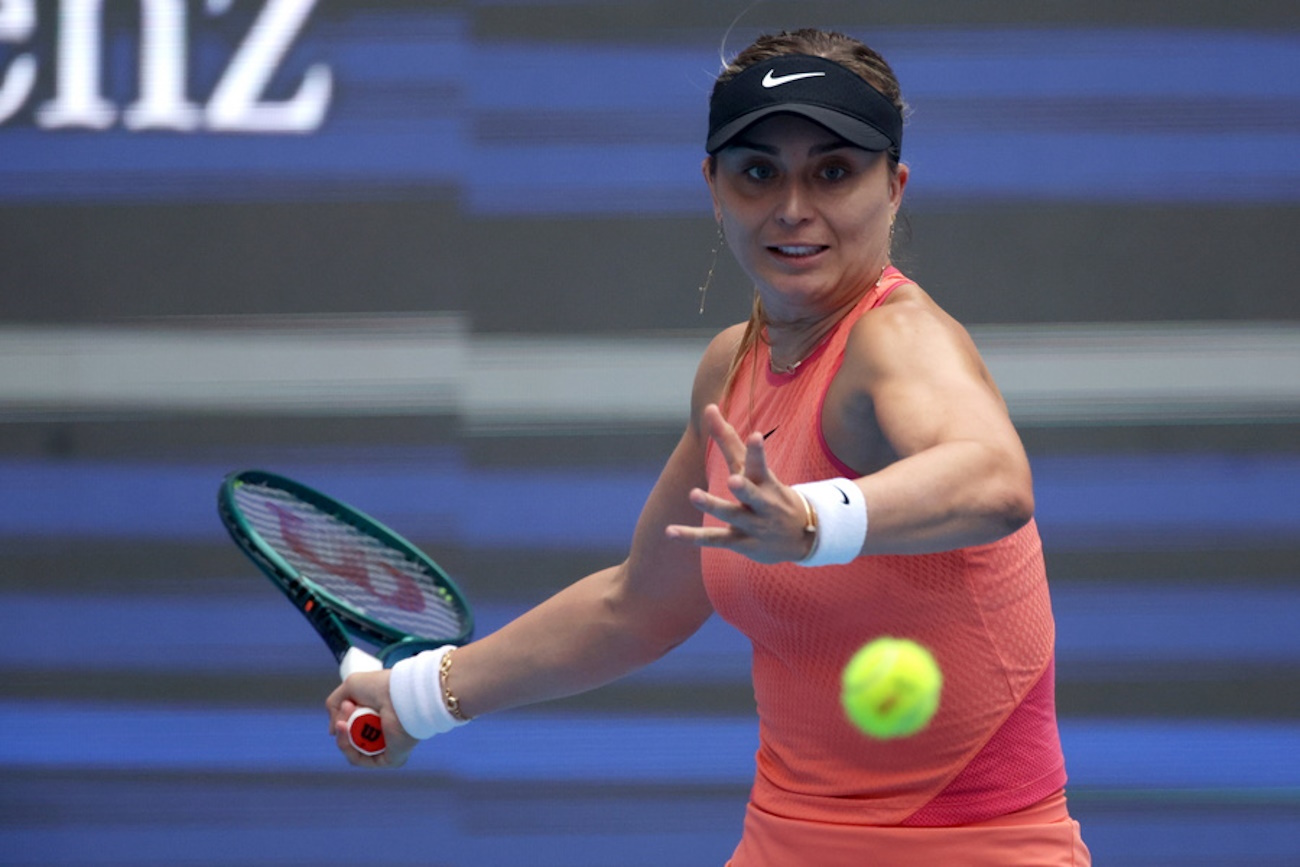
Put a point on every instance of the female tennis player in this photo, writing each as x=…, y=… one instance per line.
x=849, y=470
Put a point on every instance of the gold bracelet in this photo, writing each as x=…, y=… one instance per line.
x=810, y=517
x=810, y=524
x=449, y=699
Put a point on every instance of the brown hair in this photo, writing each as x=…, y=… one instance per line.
x=847, y=52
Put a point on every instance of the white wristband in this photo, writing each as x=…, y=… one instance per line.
x=841, y=512
x=416, y=691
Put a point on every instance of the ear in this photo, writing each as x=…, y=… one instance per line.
x=897, y=183
x=707, y=169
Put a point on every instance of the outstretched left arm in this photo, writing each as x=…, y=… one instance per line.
x=914, y=390
x=954, y=471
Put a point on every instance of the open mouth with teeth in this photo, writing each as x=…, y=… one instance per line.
x=797, y=251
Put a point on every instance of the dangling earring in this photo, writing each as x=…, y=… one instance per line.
x=713, y=263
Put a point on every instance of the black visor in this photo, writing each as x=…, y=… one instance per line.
x=812, y=87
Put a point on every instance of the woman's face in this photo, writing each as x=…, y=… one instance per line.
x=806, y=214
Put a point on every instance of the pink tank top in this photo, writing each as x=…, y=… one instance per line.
x=992, y=747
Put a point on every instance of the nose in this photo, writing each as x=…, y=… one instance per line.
x=794, y=205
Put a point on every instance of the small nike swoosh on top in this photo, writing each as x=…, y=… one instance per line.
x=771, y=80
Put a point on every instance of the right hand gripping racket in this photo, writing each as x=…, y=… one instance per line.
x=349, y=575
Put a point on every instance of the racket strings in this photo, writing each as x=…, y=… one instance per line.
x=354, y=567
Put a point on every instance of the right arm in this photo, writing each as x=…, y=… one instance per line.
x=605, y=625
x=618, y=619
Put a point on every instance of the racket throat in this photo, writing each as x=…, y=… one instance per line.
x=357, y=660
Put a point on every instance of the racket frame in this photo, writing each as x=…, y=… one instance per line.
x=333, y=618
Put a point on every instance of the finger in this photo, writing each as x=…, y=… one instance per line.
x=706, y=502
x=739, y=520
x=339, y=721
x=729, y=511
x=722, y=433
x=334, y=704
x=757, y=488
x=756, y=469
x=749, y=494
x=707, y=537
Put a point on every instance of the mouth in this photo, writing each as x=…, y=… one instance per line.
x=797, y=251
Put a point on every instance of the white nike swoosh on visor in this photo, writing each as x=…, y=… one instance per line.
x=771, y=80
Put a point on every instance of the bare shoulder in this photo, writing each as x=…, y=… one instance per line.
x=911, y=377
x=723, y=347
x=910, y=331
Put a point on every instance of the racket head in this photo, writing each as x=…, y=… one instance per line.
x=346, y=572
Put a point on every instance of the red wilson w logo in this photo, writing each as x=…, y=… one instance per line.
x=351, y=565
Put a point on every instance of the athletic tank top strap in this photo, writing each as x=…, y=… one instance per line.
x=890, y=279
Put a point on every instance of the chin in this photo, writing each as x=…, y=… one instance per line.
x=799, y=294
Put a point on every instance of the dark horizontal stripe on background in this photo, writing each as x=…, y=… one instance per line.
x=423, y=819
x=987, y=262
x=215, y=569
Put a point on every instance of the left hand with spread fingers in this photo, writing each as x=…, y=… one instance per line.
x=767, y=519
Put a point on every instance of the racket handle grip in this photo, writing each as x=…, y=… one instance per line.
x=365, y=729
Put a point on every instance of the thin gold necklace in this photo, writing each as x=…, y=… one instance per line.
x=787, y=368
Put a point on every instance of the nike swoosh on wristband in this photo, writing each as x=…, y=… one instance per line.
x=842, y=494
x=771, y=80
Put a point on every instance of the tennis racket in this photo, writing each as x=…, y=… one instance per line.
x=350, y=576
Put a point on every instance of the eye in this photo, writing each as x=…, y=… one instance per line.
x=835, y=172
x=759, y=171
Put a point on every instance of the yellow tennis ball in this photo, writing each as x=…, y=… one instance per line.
x=891, y=688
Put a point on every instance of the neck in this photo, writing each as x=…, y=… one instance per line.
x=790, y=342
